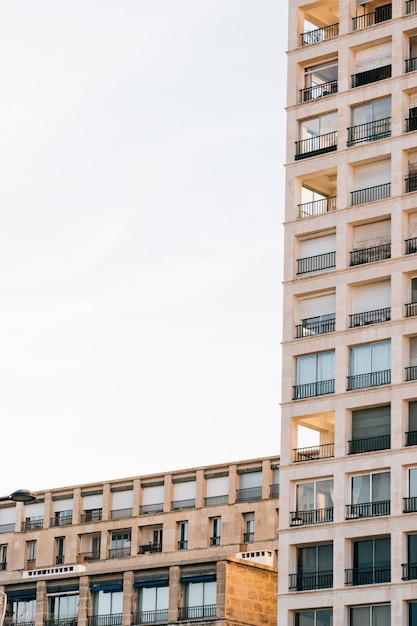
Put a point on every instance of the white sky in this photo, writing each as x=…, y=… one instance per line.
x=141, y=194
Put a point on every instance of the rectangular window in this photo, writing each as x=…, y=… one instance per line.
x=371, y=182
x=372, y=615
x=63, y=606
x=317, y=315
x=120, y=544
x=152, y=499
x=370, y=495
x=317, y=135
x=371, y=562
x=370, y=121
x=314, y=568
x=371, y=429
x=59, y=550
x=21, y=611
x=217, y=490
x=314, y=375
x=107, y=602
x=371, y=304
x=370, y=365
x=182, y=535
x=317, y=253
x=250, y=486
x=314, y=617
x=200, y=600
x=314, y=502
x=320, y=80
x=31, y=551
x=3, y=556
x=153, y=604
x=249, y=527
x=216, y=530
x=412, y=614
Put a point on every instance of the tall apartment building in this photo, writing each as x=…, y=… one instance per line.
x=193, y=546
x=348, y=528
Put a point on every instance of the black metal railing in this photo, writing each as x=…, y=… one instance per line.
x=411, y=245
x=313, y=516
x=368, y=509
x=274, y=490
x=411, y=309
x=368, y=575
x=409, y=571
x=411, y=373
x=410, y=6
x=316, y=263
x=311, y=580
x=150, y=548
x=319, y=34
x=90, y=556
x=21, y=623
x=369, y=317
x=151, y=617
x=61, y=520
x=7, y=528
x=94, y=515
x=411, y=438
x=370, y=255
x=246, y=495
x=63, y=621
x=183, y=545
x=310, y=390
x=178, y=505
x=369, y=444
x=197, y=612
x=215, y=541
x=382, y=14
x=371, y=131
x=32, y=524
x=60, y=559
x=317, y=207
x=147, y=509
x=411, y=65
x=370, y=194
x=119, y=553
x=371, y=76
x=410, y=124
x=113, y=619
x=315, y=328
x=312, y=453
x=316, y=145
x=121, y=513
x=248, y=537
x=216, y=500
x=318, y=91
x=410, y=505
x=411, y=183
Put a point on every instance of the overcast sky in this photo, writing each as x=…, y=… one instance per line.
x=141, y=194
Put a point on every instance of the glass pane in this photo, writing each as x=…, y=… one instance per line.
x=413, y=482
x=363, y=553
x=325, y=558
x=362, y=114
x=359, y=616
x=324, y=618
x=380, y=486
x=304, y=618
x=381, y=356
x=324, y=494
x=325, y=366
x=360, y=360
x=381, y=615
x=306, y=369
x=103, y=603
x=361, y=489
x=195, y=594
x=382, y=551
x=162, y=597
x=382, y=109
x=148, y=599
x=210, y=592
x=305, y=497
x=412, y=614
x=412, y=549
x=307, y=560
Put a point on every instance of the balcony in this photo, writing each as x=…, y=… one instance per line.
x=371, y=76
x=113, y=619
x=32, y=524
x=249, y=494
x=320, y=327
x=370, y=194
x=411, y=183
x=411, y=438
x=368, y=575
x=370, y=255
x=370, y=317
x=310, y=390
x=317, y=207
x=316, y=145
x=410, y=65
x=313, y=453
x=411, y=245
x=179, y=505
x=382, y=14
x=411, y=373
x=313, y=516
x=63, y=520
x=316, y=263
x=410, y=505
x=197, y=612
x=216, y=500
x=319, y=34
x=410, y=124
x=369, y=444
x=63, y=621
x=150, y=548
x=409, y=571
x=318, y=91
x=311, y=580
x=274, y=491
x=94, y=515
x=368, y=509
x=148, y=509
x=371, y=131
x=151, y=617
x=90, y=556
x=119, y=553
x=411, y=309
x=410, y=6
x=121, y=513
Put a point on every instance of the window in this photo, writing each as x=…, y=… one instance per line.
x=412, y=614
x=120, y=544
x=372, y=182
x=410, y=503
x=314, y=375
x=370, y=365
x=314, y=502
x=371, y=304
x=314, y=568
x=90, y=547
x=371, y=429
x=22, y=611
x=371, y=241
x=372, y=615
x=249, y=527
x=217, y=490
x=317, y=315
x=371, y=562
x=93, y=507
x=62, y=607
x=410, y=568
x=250, y=485
x=151, y=537
x=314, y=617
x=7, y=519
x=59, y=550
x=411, y=434
x=370, y=121
x=153, y=604
x=216, y=531
x=317, y=253
x=200, y=599
x=152, y=498
x=31, y=552
x=62, y=518
x=182, y=535
x=107, y=606
x=122, y=504
x=184, y=493
x=3, y=556
x=370, y=495
x=317, y=135
x=372, y=64
x=320, y=80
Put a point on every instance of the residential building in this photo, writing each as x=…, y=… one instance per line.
x=347, y=529
x=196, y=545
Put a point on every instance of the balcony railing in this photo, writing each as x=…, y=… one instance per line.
x=368, y=575
x=94, y=515
x=64, y=621
x=411, y=183
x=410, y=505
x=310, y=390
x=274, y=490
x=151, y=617
x=371, y=131
x=178, y=505
x=370, y=19
x=215, y=541
x=216, y=500
x=313, y=516
x=371, y=76
x=197, y=612
x=119, y=553
x=410, y=6
x=313, y=453
x=18, y=622
x=183, y=544
x=411, y=373
x=317, y=207
x=7, y=528
x=113, y=619
x=91, y=556
x=315, y=328
x=315, y=263
x=121, y=513
x=411, y=245
x=62, y=520
x=318, y=91
x=411, y=309
x=319, y=34
x=370, y=194
x=32, y=524
x=311, y=580
x=409, y=571
x=316, y=145
x=370, y=317
x=248, y=537
x=410, y=124
x=150, y=548
x=411, y=438
x=147, y=509
x=251, y=493
x=370, y=255
x=370, y=444
x=410, y=65
x=60, y=559
x=368, y=509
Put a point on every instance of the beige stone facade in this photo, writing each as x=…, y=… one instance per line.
x=348, y=464
x=196, y=545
